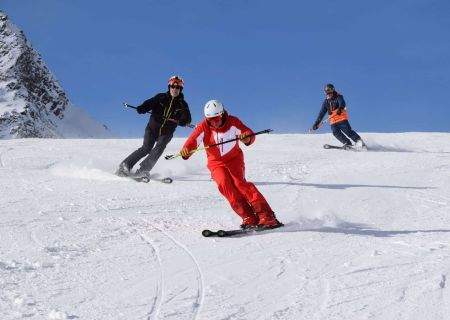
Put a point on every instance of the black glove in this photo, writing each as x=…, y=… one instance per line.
x=141, y=109
x=315, y=126
x=339, y=112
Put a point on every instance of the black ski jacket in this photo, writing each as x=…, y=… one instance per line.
x=164, y=107
x=330, y=106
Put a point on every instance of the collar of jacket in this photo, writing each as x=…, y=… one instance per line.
x=180, y=96
x=334, y=96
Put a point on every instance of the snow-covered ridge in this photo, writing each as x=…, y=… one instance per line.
x=32, y=102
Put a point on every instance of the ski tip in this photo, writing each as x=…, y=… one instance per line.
x=207, y=233
x=144, y=180
x=167, y=180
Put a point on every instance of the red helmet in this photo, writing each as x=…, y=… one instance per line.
x=176, y=80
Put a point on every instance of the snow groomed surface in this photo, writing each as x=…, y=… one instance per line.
x=366, y=234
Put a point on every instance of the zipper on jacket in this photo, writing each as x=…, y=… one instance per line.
x=219, y=140
x=166, y=116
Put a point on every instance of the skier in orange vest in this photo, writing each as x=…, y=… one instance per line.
x=334, y=105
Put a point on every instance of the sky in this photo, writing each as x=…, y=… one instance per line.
x=267, y=61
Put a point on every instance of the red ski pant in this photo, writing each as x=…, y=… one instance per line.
x=244, y=198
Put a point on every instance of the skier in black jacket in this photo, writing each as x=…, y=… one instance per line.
x=168, y=110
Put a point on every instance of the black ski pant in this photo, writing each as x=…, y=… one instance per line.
x=342, y=130
x=149, y=149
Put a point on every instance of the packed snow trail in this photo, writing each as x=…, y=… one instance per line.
x=366, y=235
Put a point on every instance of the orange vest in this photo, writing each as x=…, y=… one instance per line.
x=335, y=118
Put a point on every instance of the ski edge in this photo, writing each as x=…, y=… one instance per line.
x=330, y=146
x=351, y=148
x=229, y=233
x=166, y=180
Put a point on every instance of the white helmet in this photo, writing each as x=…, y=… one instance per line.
x=213, y=108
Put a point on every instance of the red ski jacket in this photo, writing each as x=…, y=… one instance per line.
x=222, y=154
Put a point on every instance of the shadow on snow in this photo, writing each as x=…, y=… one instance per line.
x=357, y=229
x=341, y=186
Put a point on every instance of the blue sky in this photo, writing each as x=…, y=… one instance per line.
x=267, y=61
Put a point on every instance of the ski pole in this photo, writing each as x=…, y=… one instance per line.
x=320, y=124
x=172, y=120
x=173, y=156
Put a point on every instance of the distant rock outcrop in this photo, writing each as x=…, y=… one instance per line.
x=32, y=102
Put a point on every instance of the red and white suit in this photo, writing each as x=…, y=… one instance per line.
x=226, y=164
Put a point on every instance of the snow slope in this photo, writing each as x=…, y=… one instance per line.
x=366, y=236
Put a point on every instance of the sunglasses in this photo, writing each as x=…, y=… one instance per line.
x=328, y=92
x=175, y=86
x=215, y=119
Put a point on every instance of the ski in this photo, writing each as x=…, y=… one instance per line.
x=229, y=233
x=352, y=148
x=146, y=179
x=329, y=146
x=166, y=180
x=139, y=179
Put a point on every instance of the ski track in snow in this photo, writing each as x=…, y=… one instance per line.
x=366, y=234
x=159, y=297
x=3, y=152
x=173, y=301
x=2, y=164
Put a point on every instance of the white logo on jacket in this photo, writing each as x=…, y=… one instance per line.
x=224, y=136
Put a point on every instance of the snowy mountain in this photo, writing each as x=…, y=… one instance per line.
x=32, y=103
x=367, y=234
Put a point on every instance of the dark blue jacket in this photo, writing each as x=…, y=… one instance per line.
x=329, y=105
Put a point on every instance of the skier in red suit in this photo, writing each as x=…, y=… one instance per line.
x=226, y=164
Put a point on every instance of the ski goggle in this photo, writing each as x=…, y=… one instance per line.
x=215, y=119
x=176, y=80
x=175, y=86
x=327, y=92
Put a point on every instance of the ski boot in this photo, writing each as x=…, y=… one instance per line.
x=268, y=221
x=141, y=175
x=249, y=222
x=360, y=145
x=123, y=170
